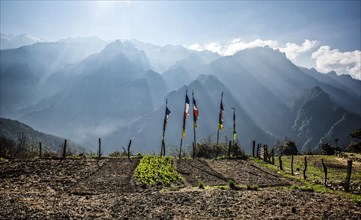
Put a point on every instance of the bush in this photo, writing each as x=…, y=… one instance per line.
x=327, y=149
x=252, y=187
x=287, y=148
x=201, y=185
x=206, y=149
x=354, y=147
x=232, y=184
x=117, y=154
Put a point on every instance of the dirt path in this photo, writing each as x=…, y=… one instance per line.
x=247, y=173
x=196, y=171
x=115, y=176
x=85, y=189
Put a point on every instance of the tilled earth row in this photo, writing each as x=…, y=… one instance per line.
x=85, y=188
x=200, y=204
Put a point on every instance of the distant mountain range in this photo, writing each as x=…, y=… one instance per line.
x=9, y=41
x=85, y=88
x=10, y=129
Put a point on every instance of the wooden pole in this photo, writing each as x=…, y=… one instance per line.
x=304, y=170
x=280, y=161
x=194, y=127
x=220, y=118
x=253, y=147
x=325, y=173
x=64, y=149
x=229, y=149
x=130, y=143
x=100, y=148
x=348, y=177
x=265, y=153
x=194, y=149
x=40, y=150
x=273, y=156
x=258, y=146
x=292, y=164
x=180, y=149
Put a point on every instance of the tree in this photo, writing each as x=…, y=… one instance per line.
x=355, y=145
x=289, y=147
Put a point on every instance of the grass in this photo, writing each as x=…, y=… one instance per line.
x=337, y=171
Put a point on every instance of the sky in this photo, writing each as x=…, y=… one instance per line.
x=320, y=34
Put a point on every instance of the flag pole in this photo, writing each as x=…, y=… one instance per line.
x=234, y=125
x=162, y=150
x=183, y=127
x=220, y=115
x=194, y=126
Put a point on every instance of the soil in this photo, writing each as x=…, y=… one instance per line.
x=247, y=173
x=85, y=188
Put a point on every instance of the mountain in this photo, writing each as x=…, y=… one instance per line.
x=103, y=92
x=162, y=58
x=319, y=120
x=10, y=129
x=9, y=41
x=146, y=131
x=24, y=71
x=116, y=94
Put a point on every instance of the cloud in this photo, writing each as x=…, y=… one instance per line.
x=328, y=59
x=292, y=50
x=237, y=45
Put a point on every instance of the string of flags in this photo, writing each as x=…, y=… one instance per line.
x=195, y=118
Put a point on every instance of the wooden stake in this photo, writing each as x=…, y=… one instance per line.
x=304, y=170
x=64, y=149
x=40, y=150
x=325, y=172
x=348, y=177
x=292, y=164
x=280, y=161
x=100, y=148
x=253, y=147
x=130, y=143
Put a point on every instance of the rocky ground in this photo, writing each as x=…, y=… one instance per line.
x=85, y=188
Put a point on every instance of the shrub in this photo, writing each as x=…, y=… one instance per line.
x=287, y=148
x=327, y=149
x=232, y=184
x=253, y=187
x=116, y=154
x=201, y=185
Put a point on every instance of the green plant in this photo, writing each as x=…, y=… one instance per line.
x=154, y=170
x=201, y=185
x=253, y=187
x=232, y=184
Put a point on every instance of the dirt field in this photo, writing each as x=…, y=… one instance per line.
x=83, y=188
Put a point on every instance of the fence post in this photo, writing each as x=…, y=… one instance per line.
x=253, y=147
x=280, y=161
x=40, y=150
x=258, y=151
x=325, y=171
x=100, y=148
x=348, y=177
x=130, y=143
x=304, y=170
x=229, y=149
x=273, y=156
x=64, y=149
x=292, y=164
x=265, y=153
